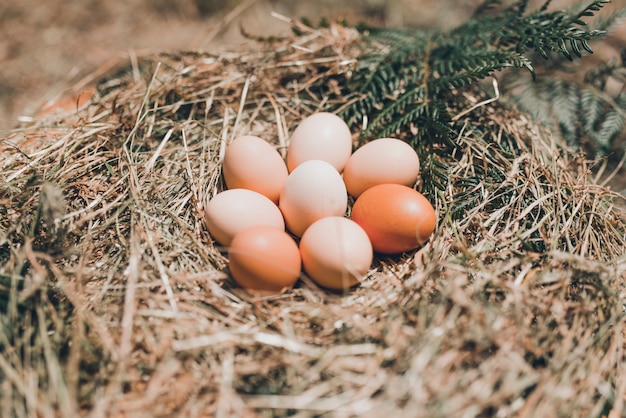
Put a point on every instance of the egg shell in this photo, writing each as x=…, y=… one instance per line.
x=233, y=210
x=252, y=163
x=264, y=258
x=321, y=136
x=396, y=218
x=336, y=252
x=312, y=191
x=384, y=160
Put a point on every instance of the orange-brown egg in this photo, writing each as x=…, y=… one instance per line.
x=336, y=252
x=252, y=163
x=234, y=210
x=384, y=160
x=321, y=136
x=396, y=218
x=264, y=258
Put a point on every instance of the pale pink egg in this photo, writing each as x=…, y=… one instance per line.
x=312, y=191
x=252, y=163
x=321, y=136
x=232, y=211
x=336, y=252
x=385, y=160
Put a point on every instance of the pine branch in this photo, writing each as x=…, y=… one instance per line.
x=585, y=111
x=609, y=22
x=387, y=76
x=404, y=75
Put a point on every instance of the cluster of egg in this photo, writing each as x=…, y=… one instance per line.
x=308, y=197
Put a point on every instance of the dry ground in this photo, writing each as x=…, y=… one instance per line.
x=47, y=46
x=119, y=305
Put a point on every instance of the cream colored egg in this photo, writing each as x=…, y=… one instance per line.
x=252, y=163
x=314, y=190
x=336, y=252
x=321, y=136
x=382, y=161
x=232, y=211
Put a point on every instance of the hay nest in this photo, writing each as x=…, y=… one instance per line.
x=116, y=302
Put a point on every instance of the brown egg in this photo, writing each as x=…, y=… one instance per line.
x=336, y=252
x=252, y=163
x=396, y=218
x=385, y=160
x=68, y=103
x=264, y=258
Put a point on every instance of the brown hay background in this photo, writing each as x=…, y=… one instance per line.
x=119, y=304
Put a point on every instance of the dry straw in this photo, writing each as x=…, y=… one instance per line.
x=116, y=303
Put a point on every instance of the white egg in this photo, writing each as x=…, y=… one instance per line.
x=232, y=211
x=314, y=190
x=321, y=136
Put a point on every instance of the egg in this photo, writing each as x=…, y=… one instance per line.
x=321, y=136
x=252, y=163
x=312, y=191
x=396, y=218
x=336, y=252
x=264, y=258
x=384, y=160
x=233, y=210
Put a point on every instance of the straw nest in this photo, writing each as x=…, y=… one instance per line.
x=116, y=302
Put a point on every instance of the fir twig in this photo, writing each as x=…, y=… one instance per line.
x=404, y=76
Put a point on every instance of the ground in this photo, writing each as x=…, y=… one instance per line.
x=48, y=46
x=119, y=302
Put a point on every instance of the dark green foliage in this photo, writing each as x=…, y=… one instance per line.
x=584, y=107
x=407, y=78
x=583, y=113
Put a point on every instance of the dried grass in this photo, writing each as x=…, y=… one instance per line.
x=117, y=303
